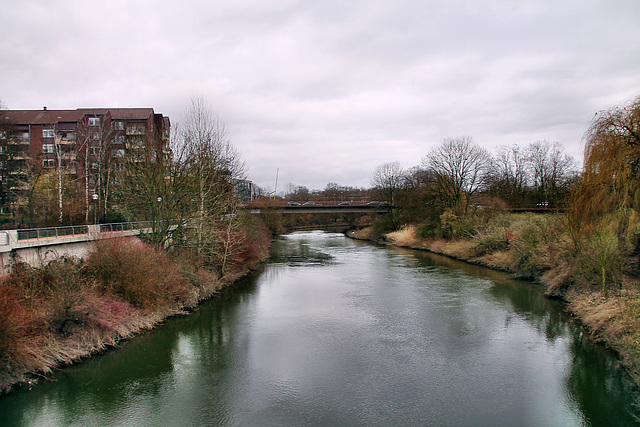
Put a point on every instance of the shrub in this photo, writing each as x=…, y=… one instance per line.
x=427, y=229
x=447, y=222
x=139, y=273
x=599, y=260
x=467, y=226
x=489, y=241
x=13, y=324
x=52, y=293
x=65, y=290
x=381, y=226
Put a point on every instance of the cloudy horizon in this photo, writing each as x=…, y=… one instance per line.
x=326, y=91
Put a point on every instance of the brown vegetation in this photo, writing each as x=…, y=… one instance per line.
x=71, y=308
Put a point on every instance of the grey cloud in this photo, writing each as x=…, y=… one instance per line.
x=326, y=91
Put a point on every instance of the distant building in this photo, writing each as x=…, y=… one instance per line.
x=86, y=144
x=245, y=190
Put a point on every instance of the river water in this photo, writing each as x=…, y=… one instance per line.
x=339, y=332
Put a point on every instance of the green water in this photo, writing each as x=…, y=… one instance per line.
x=342, y=333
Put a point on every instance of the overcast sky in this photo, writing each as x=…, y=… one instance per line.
x=324, y=91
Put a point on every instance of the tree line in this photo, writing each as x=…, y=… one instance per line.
x=459, y=175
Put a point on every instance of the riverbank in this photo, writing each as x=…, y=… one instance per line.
x=535, y=248
x=71, y=309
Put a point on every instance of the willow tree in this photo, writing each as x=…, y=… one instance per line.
x=604, y=215
x=611, y=176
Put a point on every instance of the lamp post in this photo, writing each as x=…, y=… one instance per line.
x=95, y=208
x=158, y=226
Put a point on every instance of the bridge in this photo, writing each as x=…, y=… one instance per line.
x=37, y=246
x=322, y=207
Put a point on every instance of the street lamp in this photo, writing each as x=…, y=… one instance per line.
x=158, y=220
x=95, y=208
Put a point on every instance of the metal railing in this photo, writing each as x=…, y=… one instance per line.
x=125, y=226
x=52, y=232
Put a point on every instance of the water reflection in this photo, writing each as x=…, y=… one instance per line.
x=338, y=332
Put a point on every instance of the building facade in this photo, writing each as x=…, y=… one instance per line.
x=89, y=146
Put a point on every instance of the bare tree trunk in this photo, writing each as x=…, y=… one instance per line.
x=86, y=183
x=56, y=141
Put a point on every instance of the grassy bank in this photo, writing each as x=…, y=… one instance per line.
x=71, y=308
x=597, y=279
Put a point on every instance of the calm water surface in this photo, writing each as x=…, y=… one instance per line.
x=343, y=333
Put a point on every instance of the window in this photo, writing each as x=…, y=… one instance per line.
x=118, y=125
x=94, y=121
x=48, y=133
x=136, y=129
x=68, y=136
x=47, y=148
x=94, y=165
x=117, y=153
x=48, y=163
x=119, y=139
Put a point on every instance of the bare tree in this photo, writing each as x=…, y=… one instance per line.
x=205, y=167
x=298, y=193
x=550, y=169
x=387, y=180
x=148, y=187
x=508, y=177
x=415, y=198
x=58, y=151
x=95, y=140
x=461, y=167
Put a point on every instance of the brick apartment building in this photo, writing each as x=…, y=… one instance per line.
x=83, y=143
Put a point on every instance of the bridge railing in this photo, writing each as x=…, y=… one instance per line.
x=52, y=232
x=125, y=226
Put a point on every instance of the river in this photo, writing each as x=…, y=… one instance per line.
x=339, y=332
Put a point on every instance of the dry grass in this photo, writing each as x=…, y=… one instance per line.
x=70, y=309
x=366, y=233
x=614, y=321
x=404, y=237
x=500, y=260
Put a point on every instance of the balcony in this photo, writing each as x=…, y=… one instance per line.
x=20, y=187
x=18, y=141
